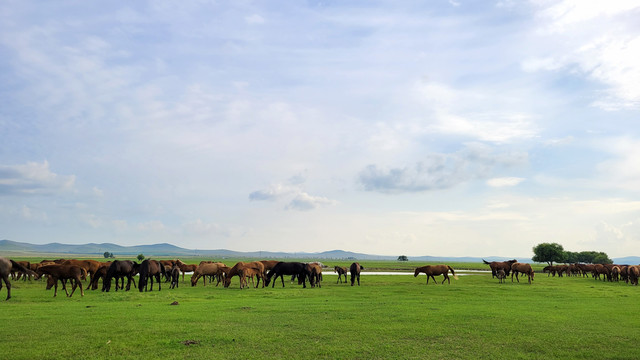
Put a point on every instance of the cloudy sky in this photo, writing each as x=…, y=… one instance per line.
x=449, y=128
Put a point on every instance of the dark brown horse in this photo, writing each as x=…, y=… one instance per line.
x=342, y=271
x=521, y=268
x=432, y=270
x=101, y=273
x=497, y=265
x=62, y=273
x=6, y=267
x=355, y=269
x=288, y=268
x=175, y=276
x=120, y=269
x=148, y=270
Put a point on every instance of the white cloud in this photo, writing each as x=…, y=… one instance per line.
x=504, y=181
x=33, y=178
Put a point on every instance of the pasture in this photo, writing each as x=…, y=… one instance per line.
x=388, y=316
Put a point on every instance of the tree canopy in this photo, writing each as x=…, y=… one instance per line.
x=403, y=258
x=548, y=252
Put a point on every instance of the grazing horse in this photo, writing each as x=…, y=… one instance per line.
x=524, y=268
x=432, y=270
x=175, y=276
x=119, y=269
x=17, y=274
x=6, y=267
x=342, y=271
x=236, y=270
x=148, y=270
x=288, y=268
x=206, y=269
x=497, y=265
x=64, y=272
x=354, y=269
x=90, y=265
x=634, y=274
x=501, y=275
x=315, y=274
x=101, y=273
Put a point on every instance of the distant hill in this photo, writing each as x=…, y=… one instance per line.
x=628, y=260
x=7, y=247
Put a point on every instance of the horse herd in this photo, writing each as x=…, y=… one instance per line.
x=265, y=271
x=117, y=271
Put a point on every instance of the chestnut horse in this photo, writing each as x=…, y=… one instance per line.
x=315, y=274
x=432, y=270
x=6, y=267
x=342, y=271
x=237, y=270
x=185, y=268
x=91, y=266
x=354, y=269
x=62, y=273
x=206, y=269
x=250, y=272
x=517, y=268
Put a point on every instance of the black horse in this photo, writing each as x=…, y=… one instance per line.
x=120, y=269
x=355, y=272
x=148, y=270
x=288, y=268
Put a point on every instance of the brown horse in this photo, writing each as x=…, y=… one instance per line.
x=315, y=274
x=91, y=266
x=6, y=267
x=497, y=265
x=206, y=269
x=175, y=276
x=149, y=269
x=342, y=271
x=501, y=275
x=250, y=272
x=185, y=268
x=355, y=269
x=517, y=268
x=634, y=274
x=432, y=270
x=236, y=270
x=101, y=273
x=62, y=273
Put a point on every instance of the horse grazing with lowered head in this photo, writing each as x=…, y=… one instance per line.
x=6, y=267
x=120, y=269
x=148, y=270
x=237, y=270
x=288, y=268
x=433, y=270
x=342, y=271
x=355, y=269
x=634, y=274
x=315, y=274
x=207, y=269
x=521, y=268
x=62, y=273
x=175, y=276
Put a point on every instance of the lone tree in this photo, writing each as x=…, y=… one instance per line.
x=403, y=258
x=108, y=255
x=548, y=252
x=140, y=257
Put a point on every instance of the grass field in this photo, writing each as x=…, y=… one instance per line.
x=389, y=316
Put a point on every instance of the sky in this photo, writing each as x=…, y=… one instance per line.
x=443, y=128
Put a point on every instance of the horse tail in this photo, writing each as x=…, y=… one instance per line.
x=453, y=272
x=84, y=274
x=486, y=262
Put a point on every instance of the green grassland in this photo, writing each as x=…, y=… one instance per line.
x=387, y=317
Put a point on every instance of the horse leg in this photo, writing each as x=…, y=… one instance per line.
x=158, y=278
x=5, y=278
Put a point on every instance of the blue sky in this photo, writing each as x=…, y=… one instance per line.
x=452, y=128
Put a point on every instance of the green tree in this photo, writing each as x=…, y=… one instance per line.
x=140, y=257
x=548, y=252
x=108, y=255
x=403, y=258
x=601, y=258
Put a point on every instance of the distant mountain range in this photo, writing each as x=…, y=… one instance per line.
x=8, y=247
